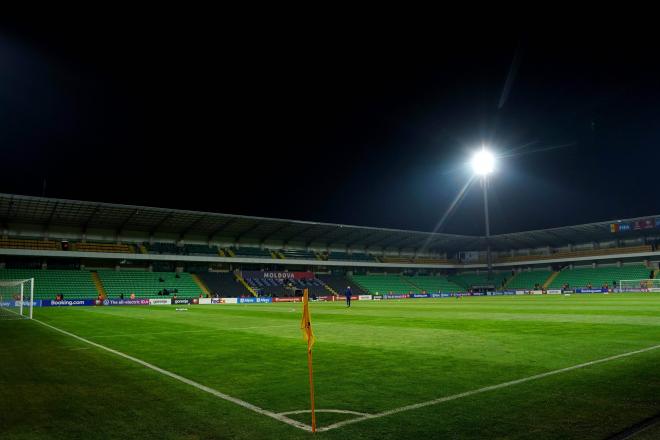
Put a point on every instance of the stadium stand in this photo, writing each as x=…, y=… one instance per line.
x=528, y=279
x=338, y=283
x=223, y=284
x=103, y=247
x=354, y=256
x=583, y=253
x=73, y=284
x=277, y=287
x=384, y=284
x=200, y=249
x=298, y=254
x=44, y=245
x=469, y=279
x=164, y=248
x=148, y=284
x=597, y=277
x=387, y=259
x=429, y=260
x=434, y=283
x=417, y=260
x=251, y=252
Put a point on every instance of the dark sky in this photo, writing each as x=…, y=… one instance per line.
x=331, y=122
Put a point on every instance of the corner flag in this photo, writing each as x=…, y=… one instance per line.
x=306, y=323
x=308, y=335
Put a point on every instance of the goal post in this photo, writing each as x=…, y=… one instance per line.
x=17, y=299
x=644, y=285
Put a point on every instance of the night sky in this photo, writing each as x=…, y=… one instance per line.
x=338, y=123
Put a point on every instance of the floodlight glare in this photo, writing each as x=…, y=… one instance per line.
x=483, y=162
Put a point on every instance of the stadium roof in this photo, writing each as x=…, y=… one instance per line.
x=17, y=209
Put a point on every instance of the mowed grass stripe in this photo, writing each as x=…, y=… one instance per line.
x=375, y=356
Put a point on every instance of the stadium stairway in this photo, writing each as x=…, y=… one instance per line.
x=245, y=284
x=99, y=285
x=509, y=281
x=329, y=289
x=201, y=284
x=550, y=279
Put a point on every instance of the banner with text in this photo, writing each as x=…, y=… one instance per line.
x=277, y=275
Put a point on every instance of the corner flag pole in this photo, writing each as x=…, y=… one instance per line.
x=308, y=335
x=311, y=385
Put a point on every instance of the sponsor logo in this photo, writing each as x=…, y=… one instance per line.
x=286, y=299
x=364, y=297
x=180, y=301
x=254, y=300
x=159, y=302
x=553, y=291
x=68, y=303
x=590, y=290
x=125, y=302
x=419, y=295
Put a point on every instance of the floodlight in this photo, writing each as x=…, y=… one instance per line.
x=483, y=162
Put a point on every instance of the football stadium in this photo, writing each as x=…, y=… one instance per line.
x=298, y=224
x=183, y=324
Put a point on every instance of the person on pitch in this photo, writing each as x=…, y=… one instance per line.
x=348, y=296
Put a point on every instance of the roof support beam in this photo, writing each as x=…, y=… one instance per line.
x=242, y=234
x=123, y=224
x=347, y=234
x=298, y=233
x=162, y=221
x=273, y=232
x=363, y=239
x=50, y=216
x=320, y=236
x=189, y=228
x=96, y=210
x=221, y=228
x=5, y=218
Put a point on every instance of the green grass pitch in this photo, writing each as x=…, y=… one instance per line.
x=371, y=358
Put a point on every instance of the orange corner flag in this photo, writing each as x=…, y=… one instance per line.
x=308, y=335
x=306, y=323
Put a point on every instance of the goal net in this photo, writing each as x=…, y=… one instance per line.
x=640, y=285
x=16, y=299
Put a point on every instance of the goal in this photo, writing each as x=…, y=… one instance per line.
x=639, y=285
x=16, y=299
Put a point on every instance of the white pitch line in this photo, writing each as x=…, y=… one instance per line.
x=187, y=381
x=336, y=411
x=117, y=335
x=483, y=390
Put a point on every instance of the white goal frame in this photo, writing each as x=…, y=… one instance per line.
x=649, y=285
x=25, y=298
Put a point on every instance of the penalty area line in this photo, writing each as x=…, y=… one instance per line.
x=192, y=383
x=483, y=390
